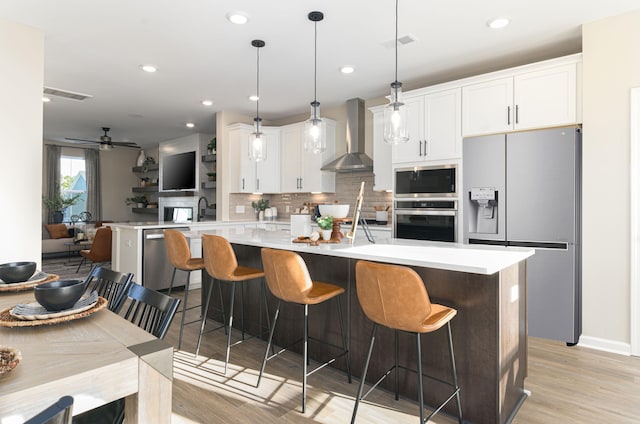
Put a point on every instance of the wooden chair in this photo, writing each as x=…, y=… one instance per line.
x=109, y=284
x=148, y=309
x=58, y=413
x=395, y=297
x=100, y=250
x=288, y=280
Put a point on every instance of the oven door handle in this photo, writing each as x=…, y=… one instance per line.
x=447, y=212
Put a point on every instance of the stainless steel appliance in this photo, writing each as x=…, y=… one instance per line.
x=426, y=220
x=426, y=182
x=523, y=189
x=156, y=268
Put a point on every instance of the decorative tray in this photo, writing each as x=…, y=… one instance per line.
x=312, y=242
x=9, y=359
x=38, y=278
x=7, y=320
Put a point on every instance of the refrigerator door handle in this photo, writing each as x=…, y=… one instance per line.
x=539, y=244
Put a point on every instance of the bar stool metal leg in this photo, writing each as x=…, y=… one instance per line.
x=184, y=305
x=173, y=277
x=455, y=374
x=397, y=367
x=420, y=388
x=344, y=340
x=204, y=316
x=269, y=343
x=230, y=326
x=306, y=357
x=364, y=373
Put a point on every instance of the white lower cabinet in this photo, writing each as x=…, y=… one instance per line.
x=300, y=170
x=247, y=175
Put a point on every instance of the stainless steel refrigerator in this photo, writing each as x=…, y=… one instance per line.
x=523, y=189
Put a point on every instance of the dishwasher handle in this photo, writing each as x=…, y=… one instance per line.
x=153, y=236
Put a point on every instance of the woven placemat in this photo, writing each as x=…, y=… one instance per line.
x=6, y=320
x=16, y=287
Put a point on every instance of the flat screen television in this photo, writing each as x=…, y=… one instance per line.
x=179, y=171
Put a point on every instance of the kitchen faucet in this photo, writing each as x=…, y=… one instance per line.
x=201, y=212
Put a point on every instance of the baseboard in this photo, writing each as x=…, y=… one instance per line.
x=605, y=345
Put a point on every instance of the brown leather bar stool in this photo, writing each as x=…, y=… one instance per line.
x=221, y=264
x=396, y=297
x=288, y=280
x=179, y=255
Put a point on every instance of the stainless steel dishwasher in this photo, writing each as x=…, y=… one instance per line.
x=156, y=268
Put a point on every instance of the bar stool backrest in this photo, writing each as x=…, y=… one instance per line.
x=219, y=258
x=393, y=296
x=178, y=250
x=287, y=275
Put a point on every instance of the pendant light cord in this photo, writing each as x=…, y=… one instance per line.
x=315, y=70
x=396, y=79
x=258, y=89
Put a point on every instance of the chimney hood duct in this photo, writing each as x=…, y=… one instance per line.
x=354, y=160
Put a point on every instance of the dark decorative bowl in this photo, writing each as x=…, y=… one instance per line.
x=16, y=272
x=59, y=295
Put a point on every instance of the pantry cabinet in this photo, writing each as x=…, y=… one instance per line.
x=247, y=175
x=535, y=99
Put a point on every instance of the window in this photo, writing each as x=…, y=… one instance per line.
x=72, y=182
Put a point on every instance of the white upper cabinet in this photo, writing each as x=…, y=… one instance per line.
x=434, y=128
x=382, y=169
x=249, y=176
x=300, y=170
x=535, y=99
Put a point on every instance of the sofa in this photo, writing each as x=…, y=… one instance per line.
x=54, y=236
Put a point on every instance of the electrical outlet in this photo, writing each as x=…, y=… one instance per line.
x=286, y=209
x=239, y=208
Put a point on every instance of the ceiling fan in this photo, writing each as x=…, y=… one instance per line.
x=105, y=141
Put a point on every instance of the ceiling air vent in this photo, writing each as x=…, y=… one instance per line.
x=66, y=94
x=402, y=41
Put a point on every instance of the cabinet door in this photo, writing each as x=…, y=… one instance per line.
x=290, y=146
x=442, y=128
x=382, y=169
x=486, y=107
x=546, y=98
x=312, y=178
x=243, y=175
x=268, y=171
x=412, y=150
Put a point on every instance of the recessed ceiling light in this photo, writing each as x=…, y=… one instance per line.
x=238, y=18
x=190, y=124
x=347, y=69
x=498, y=23
x=148, y=68
x=207, y=102
x=46, y=99
x=254, y=98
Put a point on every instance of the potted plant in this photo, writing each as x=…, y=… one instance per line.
x=139, y=201
x=326, y=225
x=259, y=206
x=212, y=176
x=211, y=147
x=58, y=203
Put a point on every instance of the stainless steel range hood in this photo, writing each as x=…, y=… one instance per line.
x=355, y=159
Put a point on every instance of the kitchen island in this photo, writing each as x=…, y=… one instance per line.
x=487, y=285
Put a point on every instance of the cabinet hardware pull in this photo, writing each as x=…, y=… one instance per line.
x=243, y=183
x=258, y=184
x=301, y=183
x=517, y=109
x=508, y=115
x=426, y=151
x=420, y=148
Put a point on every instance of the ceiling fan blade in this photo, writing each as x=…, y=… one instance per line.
x=131, y=145
x=75, y=140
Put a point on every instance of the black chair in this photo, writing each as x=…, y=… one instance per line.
x=58, y=413
x=148, y=309
x=111, y=285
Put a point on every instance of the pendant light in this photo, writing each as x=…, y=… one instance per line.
x=315, y=139
x=396, y=130
x=257, y=141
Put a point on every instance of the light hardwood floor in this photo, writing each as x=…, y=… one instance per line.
x=568, y=385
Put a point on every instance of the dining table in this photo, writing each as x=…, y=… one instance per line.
x=96, y=359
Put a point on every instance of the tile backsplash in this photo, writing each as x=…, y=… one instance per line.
x=347, y=188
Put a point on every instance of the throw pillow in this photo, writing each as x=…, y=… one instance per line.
x=57, y=231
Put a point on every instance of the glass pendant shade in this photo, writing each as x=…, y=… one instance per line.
x=257, y=144
x=396, y=130
x=315, y=135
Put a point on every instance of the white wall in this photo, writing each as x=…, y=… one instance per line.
x=117, y=179
x=611, y=67
x=21, y=82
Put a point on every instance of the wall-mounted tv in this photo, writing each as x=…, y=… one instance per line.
x=179, y=171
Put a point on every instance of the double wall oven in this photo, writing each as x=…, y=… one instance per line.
x=425, y=207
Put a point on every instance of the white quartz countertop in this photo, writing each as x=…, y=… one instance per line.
x=448, y=256
x=142, y=225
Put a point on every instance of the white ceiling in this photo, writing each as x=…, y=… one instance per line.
x=95, y=47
